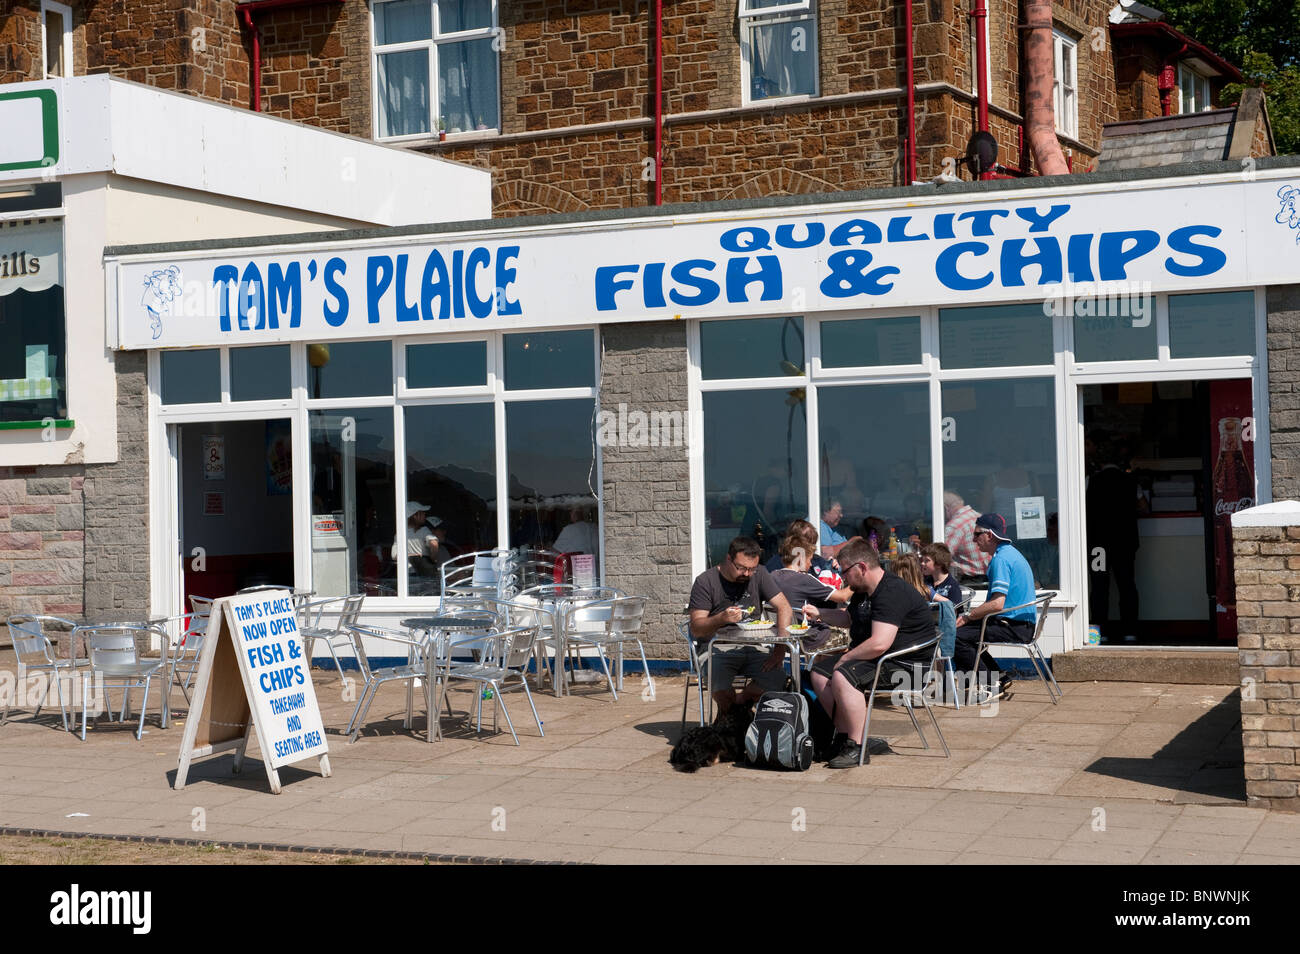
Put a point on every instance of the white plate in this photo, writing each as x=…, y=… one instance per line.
x=754, y=626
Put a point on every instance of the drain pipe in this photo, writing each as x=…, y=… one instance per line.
x=1040, y=113
x=909, y=147
x=659, y=102
x=245, y=12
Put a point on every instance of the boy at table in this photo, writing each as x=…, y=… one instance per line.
x=716, y=602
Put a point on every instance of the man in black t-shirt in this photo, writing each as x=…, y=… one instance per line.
x=723, y=596
x=885, y=614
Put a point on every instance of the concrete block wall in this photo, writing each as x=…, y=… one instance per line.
x=117, y=505
x=1267, y=566
x=646, y=489
x=1282, y=303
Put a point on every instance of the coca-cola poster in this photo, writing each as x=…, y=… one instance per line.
x=1232, y=488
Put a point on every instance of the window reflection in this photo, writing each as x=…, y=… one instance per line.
x=550, y=359
x=259, y=374
x=550, y=459
x=995, y=336
x=1210, y=325
x=352, y=483
x=191, y=377
x=451, y=477
x=751, y=348
x=871, y=342
x=1002, y=459
x=755, y=466
x=881, y=475
x=350, y=369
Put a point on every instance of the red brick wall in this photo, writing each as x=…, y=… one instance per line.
x=316, y=65
x=20, y=42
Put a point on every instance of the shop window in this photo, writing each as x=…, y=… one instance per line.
x=1065, y=84
x=994, y=336
x=453, y=364
x=755, y=466
x=455, y=41
x=57, y=38
x=1115, y=329
x=999, y=456
x=191, y=377
x=550, y=359
x=778, y=48
x=751, y=348
x=33, y=357
x=353, y=535
x=1212, y=325
x=451, y=477
x=260, y=374
x=1193, y=91
x=871, y=342
x=350, y=369
x=874, y=454
x=551, y=463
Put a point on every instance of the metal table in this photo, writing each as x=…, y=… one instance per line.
x=733, y=635
x=433, y=625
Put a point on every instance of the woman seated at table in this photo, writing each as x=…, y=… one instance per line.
x=817, y=565
x=802, y=588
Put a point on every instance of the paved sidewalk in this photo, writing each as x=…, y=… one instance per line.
x=1117, y=773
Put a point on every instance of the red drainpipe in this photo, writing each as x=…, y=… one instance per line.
x=659, y=102
x=245, y=12
x=980, y=13
x=909, y=155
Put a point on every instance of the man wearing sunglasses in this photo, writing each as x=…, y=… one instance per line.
x=885, y=614
x=1011, y=583
x=724, y=595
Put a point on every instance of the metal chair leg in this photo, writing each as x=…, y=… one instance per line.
x=916, y=725
x=529, y=695
x=496, y=689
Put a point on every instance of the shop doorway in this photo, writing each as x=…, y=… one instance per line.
x=235, y=519
x=1166, y=464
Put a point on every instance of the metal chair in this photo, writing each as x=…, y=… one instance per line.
x=114, y=657
x=474, y=574
x=556, y=599
x=695, y=670
x=415, y=668
x=505, y=654
x=1031, y=648
x=36, y=654
x=187, y=647
x=605, y=624
x=312, y=625
x=908, y=695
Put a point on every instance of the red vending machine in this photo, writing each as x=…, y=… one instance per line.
x=1232, y=488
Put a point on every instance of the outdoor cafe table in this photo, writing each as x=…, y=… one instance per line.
x=468, y=622
x=733, y=635
x=75, y=647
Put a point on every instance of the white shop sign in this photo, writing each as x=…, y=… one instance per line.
x=1030, y=246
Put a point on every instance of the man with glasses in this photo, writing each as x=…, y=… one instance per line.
x=724, y=595
x=1011, y=583
x=885, y=614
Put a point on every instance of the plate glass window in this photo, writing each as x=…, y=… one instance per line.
x=191, y=377
x=550, y=359
x=778, y=42
x=260, y=374
x=451, y=364
x=33, y=355
x=1212, y=325
x=350, y=369
x=871, y=342
x=994, y=336
x=457, y=42
x=1065, y=84
x=1001, y=458
x=751, y=348
x=1193, y=91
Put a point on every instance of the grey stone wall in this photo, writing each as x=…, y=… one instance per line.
x=1283, y=325
x=646, y=485
x=117, y=503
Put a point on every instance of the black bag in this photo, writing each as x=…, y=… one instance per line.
x=820, y=727
x=779, y=736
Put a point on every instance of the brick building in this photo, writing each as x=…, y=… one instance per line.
x=557, y=100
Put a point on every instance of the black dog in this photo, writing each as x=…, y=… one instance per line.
x=708, y=744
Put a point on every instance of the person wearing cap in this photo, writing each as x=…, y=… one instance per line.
x=1011, y=583
x=421, y=542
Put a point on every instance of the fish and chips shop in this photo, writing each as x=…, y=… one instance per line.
x=345, y=411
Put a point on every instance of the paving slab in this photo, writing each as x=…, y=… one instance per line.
x=1027, y=781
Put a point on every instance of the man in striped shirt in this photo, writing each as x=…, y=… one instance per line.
x=959, y=535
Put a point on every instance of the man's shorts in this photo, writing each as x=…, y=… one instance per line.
x=860, y=672
x=726, y=665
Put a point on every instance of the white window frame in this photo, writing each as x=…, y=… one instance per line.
x=1065, y=84
x=436, y=39
x=785, y=13
x=65, y=11
x=1200, y=92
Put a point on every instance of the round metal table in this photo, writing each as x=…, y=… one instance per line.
x=466, y=622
